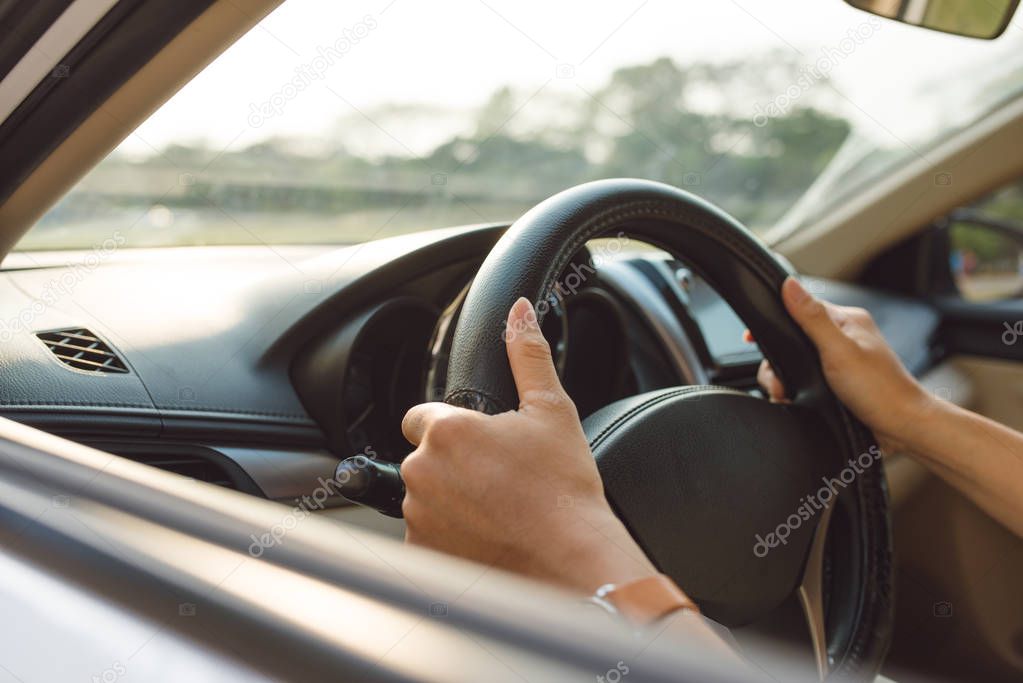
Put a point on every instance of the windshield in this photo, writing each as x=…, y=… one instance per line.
x=344, y=122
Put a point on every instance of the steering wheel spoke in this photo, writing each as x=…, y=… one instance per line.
x=811, y=593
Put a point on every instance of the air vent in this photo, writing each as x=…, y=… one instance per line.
x=82, y=350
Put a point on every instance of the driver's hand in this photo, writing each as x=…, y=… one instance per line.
x=860, y=367
x=519, y=491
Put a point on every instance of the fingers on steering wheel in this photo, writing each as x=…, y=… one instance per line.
x=770, y=382
x=529, y=355
x=424, y=416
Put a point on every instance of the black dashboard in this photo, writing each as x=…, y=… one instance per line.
x=259, y=367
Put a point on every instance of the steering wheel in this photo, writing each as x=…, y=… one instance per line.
x=743, y=502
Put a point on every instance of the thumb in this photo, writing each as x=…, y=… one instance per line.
x=530, y=355
x=810, y=313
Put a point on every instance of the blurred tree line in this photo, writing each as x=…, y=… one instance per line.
x=690, y=126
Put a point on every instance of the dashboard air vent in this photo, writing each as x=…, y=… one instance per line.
x=82, y=350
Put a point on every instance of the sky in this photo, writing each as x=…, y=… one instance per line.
x=353, y=57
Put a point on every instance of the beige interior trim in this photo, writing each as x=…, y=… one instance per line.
x=972, y=163
x=184, y=57
x=998, y=388
x=950, y=552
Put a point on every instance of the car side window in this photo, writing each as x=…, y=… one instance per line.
x=986, y=246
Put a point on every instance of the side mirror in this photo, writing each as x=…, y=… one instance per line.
x=985, y=257
x=985, y=19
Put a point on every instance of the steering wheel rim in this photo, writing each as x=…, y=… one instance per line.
x=851, y=639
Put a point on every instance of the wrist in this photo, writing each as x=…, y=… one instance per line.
x=644, y=601
x=932, y=426
x=605, y=554
x=912, y=423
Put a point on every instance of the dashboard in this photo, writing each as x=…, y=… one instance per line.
x=260, y=367
x=395, y=354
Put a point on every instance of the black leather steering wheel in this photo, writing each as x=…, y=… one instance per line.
x=700, y=473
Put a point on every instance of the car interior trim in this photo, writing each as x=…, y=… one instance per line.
x=118, y=113
x=46, y=53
